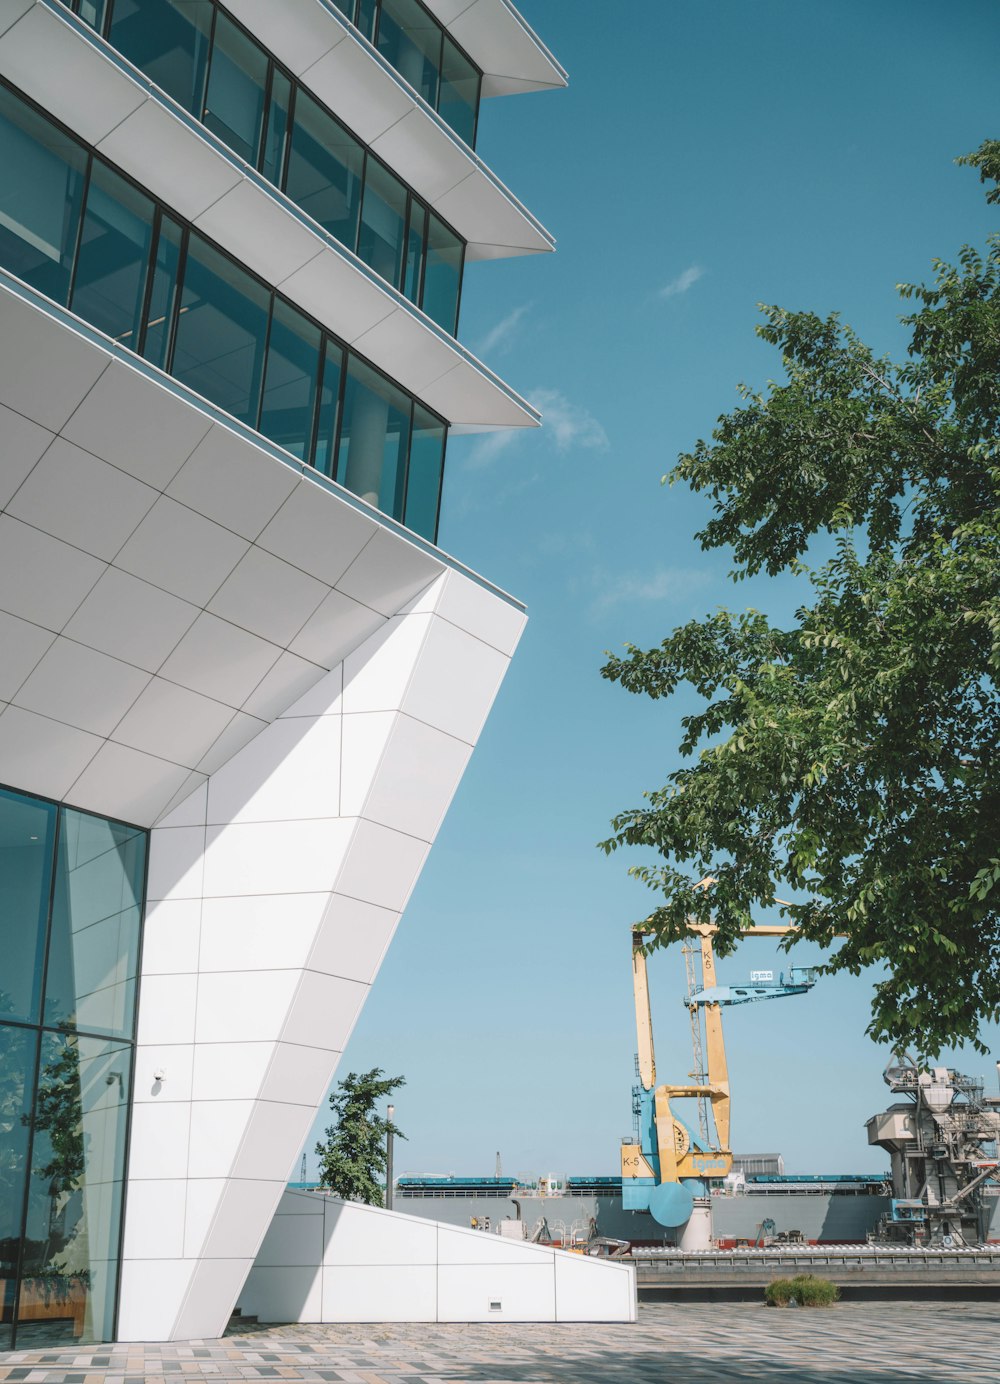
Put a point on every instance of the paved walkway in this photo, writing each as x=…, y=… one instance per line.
x=852, y=1343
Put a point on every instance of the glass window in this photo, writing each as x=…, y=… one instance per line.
x=366, y=16
x=325, y=166
x=169, y=41
x=383, y=222
x=272, y=163
x=40, y=194
x=92, y=12
x=423, y=485
x=110, y=280
x=459, y=98
x=289, y=401
x=443, y=274
x=329, y=407
x=346, y=8
x=374, y=438
x=416, y=245
x=237, y=82
x=221, y=331
x=163, y=295
x=17, y=1079
x=69, y=1267
x=27, y=838
x=96, y=915
x=411, y=40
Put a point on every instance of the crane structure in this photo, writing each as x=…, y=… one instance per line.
x=665, y=1163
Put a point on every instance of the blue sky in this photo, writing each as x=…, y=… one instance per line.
x=711, y=155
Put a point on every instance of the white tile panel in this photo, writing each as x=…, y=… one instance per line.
x=83, y=688
x=220, y=660
x=243, y=1210
x=217, y=1130
x=367, y=107
x=404, y=350
x=358, y=1235
x=23, y=645
x=314, y=32
x=167, y=1009
x=173, y=722
x=201, y=1204
x=336, y=629
x=275, y=857
x=325, y=699
x=122, y=782
x=149, y=1288
x=131, y=620
x=387, y=573
x=176, y=863
x=244, y=1006
x=267, y=932
x=163, y=1072
x=283, y=1294
x=338, y=293
x=274, y=1138
x=432, y=164
x=228, y=479
x=255, y=227
x=193, y=781
x=211, y=1296
x=42, y=755
x=268, y=597
x=589, y=1291
x=323, y=1011
x=417, y=779
x=299, y=1074
x=11, y=11
x=365, y=740
x=378, y=673
x=191, y=812
x=154, y=1220
x=290, y=773
x=382, y=1293
x=317, y=533
x=455, y=681
x=181, y=551
x=382, y=866
x=154, y=143
x=82, y=500
x=240, y=731
x=72, y=365
x=284, y=684
x=472, y=608
x=526, y=1292
x=137, y=424
x=43, y=57
x=22, y=442
x=294, y=1240
x=159, y=1140
x=230, y=1071
x=25, y=554
x=457, y=1245
x=352, y=938
x=170, y=937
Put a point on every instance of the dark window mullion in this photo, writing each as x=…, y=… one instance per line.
x=262, y=374
x=84, y=199
x=346, y=357
x=31, y=1075
x=147, y=292
x=265, y=122
x=404, y=484
x=175, y=307
x=209, y=58
x=313, y=443
x=282, y=171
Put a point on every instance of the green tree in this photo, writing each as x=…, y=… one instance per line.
x=354, y=1152
x=854, y=755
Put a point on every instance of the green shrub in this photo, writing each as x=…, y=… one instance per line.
x=806, y=1290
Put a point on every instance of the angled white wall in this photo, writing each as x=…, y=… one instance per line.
x=326, y=1260
x=274, y=890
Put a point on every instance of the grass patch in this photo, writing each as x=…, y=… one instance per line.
x=805, y=1290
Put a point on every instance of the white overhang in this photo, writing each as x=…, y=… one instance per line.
x=170, y=582
x=510, y=54
x=328, y=55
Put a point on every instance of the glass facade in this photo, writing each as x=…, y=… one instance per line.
x=212, y=67
x=74, y=228
x=71, y=898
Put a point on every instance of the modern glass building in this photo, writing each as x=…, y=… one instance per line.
x=240, y=680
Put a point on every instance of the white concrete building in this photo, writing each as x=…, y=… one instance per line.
x=239, y=681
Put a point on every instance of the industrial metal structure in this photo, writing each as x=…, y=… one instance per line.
x=665, y=1162
x=942, y=1138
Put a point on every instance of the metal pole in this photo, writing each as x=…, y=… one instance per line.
x=390, y=1112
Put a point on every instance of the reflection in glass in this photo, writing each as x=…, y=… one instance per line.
x=221, y=331
x=458, y=104
x=163, y=296
x=27, y=837
x=423, y=485
x=411, y=41
x=272, y=163
x=374, y=438
x=110, y=280
x=234, y=105
x=286, y=414
x=17, y=1075
x=169, y=41
x=383, y=218
x=325, y=166
x=329, y=409
x=69, y=1266
x=40, y=193
x=96, y=915
x=443, y=274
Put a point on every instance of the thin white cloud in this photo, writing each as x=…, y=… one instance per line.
x=683, y=282
x=568, y=425
x=486, y=449
x=661, y=584
x=498, y=339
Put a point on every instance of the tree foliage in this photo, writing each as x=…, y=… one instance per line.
x=354, y=1153
x=852, y=756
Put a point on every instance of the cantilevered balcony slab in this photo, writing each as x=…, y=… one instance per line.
x=510, y=54
x=169, y=580
x=58, y=62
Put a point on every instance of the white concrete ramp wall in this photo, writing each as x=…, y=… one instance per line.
x=326, y=1260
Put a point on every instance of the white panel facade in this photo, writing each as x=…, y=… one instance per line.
x=325, y=1260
